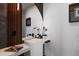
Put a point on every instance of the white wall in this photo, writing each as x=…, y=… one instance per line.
x=53, y=22
x=36, y=19
x=70, y=34
x=64, y=36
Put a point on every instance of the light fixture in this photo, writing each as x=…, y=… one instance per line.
x=18, y=6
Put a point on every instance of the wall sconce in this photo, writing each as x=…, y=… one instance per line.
x=18, y=7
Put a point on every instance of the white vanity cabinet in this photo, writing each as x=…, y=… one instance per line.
x=36, y=46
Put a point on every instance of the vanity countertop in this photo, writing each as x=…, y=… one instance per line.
x=34, y=40
x=6, y=53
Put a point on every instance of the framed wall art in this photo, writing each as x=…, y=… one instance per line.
x=74, y=12
x=28, y=21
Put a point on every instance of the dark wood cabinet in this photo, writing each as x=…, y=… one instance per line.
x=14, y=24
x=10, y=24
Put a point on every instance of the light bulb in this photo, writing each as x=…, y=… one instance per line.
x=18, y=6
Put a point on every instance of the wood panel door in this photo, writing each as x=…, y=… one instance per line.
x=14, y=21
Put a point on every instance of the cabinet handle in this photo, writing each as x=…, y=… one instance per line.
x=14, y=33
x=48, y=41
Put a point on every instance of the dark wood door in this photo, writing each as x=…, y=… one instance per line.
x=14, y=24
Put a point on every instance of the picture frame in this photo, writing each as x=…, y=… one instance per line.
x=28, y=21
x=74, y=12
